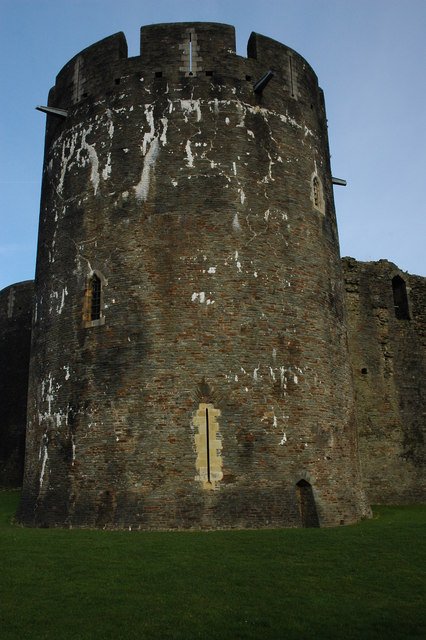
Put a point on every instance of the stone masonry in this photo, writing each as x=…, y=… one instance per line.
x=197, y=215
x=15, y=338
x=387, y=345
x=189, y=363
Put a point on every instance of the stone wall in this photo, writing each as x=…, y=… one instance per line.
x=190, y=363
x=387, y=343
x=15, y=338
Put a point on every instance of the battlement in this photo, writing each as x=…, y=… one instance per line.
x=16, y=300
x=189, y=45
x=201, y=50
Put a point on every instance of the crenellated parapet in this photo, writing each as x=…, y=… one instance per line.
x=89, y=72
x=187, y=49
x=187, y=84
x=182, y=50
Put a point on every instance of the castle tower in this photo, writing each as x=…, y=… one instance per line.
x=190, y=364
x=15, y=339
x=386, y=314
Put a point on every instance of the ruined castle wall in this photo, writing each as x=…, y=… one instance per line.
x=16, y=303
x=387, y=348
x=214, y=388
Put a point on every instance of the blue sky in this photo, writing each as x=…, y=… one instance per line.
x=369, y=56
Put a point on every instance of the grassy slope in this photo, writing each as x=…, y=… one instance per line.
x=363, y=581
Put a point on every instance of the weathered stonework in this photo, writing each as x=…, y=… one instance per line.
x=15, y=338
x=206, y=212
x=388, y=355
x=208, y=445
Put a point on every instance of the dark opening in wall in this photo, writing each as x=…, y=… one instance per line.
x=307, y=506
x=400, y=298
x=158, y=74
x=95, y=308
x=209, y=73
x=117, y=81
x=248, y=78
x=364, y=370
x=316, y=189
x=93, y=302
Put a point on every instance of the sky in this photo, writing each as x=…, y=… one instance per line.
x=370, y=58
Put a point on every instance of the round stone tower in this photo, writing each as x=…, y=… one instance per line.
x=189, y=365
x=15, y=339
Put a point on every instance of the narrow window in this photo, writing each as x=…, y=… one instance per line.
x=208, y=445
x=316, y=191
x=307, y=506
x=317, y=195
x=93, y=302
x=95, y=306
x=400, y=298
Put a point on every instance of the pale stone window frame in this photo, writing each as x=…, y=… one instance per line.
x=87, y=301
x=317, y=193
x=208, y=463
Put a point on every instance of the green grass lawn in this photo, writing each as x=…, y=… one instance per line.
x=363, y=581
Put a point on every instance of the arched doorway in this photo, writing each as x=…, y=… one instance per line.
x=307, y=506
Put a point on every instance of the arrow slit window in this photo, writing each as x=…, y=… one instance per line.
x=317, y=193
x=208, y=445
